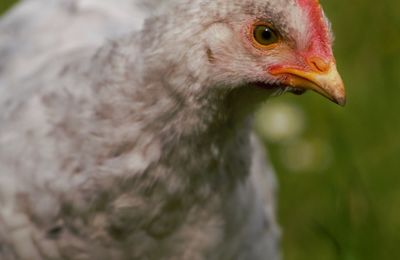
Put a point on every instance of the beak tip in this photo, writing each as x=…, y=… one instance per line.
x=341, y=101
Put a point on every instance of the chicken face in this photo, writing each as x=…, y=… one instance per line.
x=282, y=45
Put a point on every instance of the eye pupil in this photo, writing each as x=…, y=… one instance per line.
x=264, y=35
x=267, y=34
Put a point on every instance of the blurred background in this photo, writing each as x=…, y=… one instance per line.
x=339, y=167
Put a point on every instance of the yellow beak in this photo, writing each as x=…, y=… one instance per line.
x=326, y=82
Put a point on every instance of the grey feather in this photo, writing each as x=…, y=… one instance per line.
x=121, y=139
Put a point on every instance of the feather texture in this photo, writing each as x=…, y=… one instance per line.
x=123, y=133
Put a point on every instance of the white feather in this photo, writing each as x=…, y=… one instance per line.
x=110, y=147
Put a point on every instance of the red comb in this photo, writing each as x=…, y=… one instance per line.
x=320, y=40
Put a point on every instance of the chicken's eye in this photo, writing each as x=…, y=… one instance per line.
x=265, y=35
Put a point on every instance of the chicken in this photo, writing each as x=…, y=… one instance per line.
x=125, y=126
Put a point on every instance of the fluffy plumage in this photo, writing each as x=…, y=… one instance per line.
x=139, y=146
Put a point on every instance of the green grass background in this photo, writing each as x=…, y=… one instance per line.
x=351, y=208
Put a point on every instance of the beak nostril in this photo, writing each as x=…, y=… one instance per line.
x=318, y=64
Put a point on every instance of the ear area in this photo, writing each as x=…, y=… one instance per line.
x=218, y=41
x=217, y=35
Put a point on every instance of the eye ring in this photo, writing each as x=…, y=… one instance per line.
x=264, y=35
